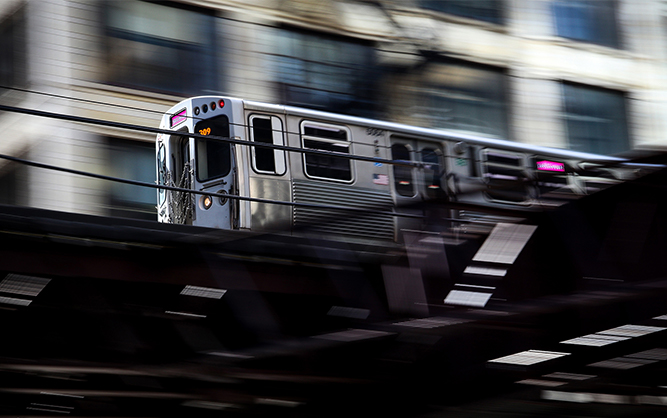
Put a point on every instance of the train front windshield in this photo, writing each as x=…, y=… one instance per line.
x=213, y=155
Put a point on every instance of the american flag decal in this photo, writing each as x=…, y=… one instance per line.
x=381, y=179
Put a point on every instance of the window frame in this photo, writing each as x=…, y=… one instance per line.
x=161, y=158
x=204, y=142
x=348, y=143
x=280, y=163
x=14, y=48
x=397, y=169
x=499, y=17
x=421, y=179
x=598, y=25
x=350, y=74
x=568, y=117
x=430, y=191
x=518, y=173
x=126, y=200
x=205, y=48
x=486, y=96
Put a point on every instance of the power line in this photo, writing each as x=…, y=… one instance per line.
x=606, y=159
x=196, y=192
x=78, y=99
x=121, y=125
x=98, y=102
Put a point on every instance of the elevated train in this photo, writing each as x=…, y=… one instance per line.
x=233, y=151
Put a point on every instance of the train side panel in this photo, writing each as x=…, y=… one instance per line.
x=269, y=170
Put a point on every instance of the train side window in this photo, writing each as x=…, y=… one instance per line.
x=267, y=130
x=505, y=175
x=323, y=137
x=402, y=174
x=432, y=171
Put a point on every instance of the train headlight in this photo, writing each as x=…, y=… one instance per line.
x=206, y=202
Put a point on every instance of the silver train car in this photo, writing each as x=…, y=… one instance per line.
x=264, y=167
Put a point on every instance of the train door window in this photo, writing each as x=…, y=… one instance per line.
x=213, y=155
x=402, y=174
x=267, y=130
x=184, y=145
x=180, y=158
x=161, y=173
x=432, y=171
x=332, y=138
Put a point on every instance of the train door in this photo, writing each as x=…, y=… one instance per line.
x=412, y=184
x=268, y=172
x=215, y=172
x=174, y=169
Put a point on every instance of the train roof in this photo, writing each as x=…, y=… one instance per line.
x=452, y=135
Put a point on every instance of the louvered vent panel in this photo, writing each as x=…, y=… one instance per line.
x=358, y=224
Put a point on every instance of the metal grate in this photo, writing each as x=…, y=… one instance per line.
x=341, y=222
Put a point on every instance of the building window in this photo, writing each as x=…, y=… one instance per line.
x=484, y=10
x=12, y=50
x=325, y=73
x=131, y=160
x=592, y=21
x=13, y=184
x=596, y=119
x=464, y=97
x=160, y=48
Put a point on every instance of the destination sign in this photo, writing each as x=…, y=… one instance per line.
x=550, y=166
x=177, y=118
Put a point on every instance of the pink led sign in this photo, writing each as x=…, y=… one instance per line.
x=179, y=117
x=550, y=166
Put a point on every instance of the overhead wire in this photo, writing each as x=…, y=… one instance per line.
x=158, y=112
x=197, y=192
x=234, y=140
x=411, y=163
x=120, y=106
x=79, y=99
x=178, y=189
x=122, y=125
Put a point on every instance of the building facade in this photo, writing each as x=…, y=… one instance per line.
x=588, y=75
